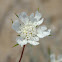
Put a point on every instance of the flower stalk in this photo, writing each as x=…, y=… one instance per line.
x=22, y=53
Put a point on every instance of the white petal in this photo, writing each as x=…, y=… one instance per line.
x=46, y=33
x=52, y=58
x=41, y=21
x=42, y=33
x=33, y=42
x=43, y=27
x=21, y=42
x=37, y=15
x=38, y=22
x=32, y=16
x=23, y=17
x=32, y=19
x=35, y=39
x=16, y=25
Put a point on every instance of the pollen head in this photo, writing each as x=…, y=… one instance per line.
x=28, y=31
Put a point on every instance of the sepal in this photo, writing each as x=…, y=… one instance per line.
x=15, y=45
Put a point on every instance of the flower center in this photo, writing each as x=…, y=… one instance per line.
x=28, y=31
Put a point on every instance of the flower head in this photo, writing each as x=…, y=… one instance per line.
x=28, y=30
x=54, y=59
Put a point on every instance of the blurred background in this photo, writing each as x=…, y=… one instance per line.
x=51, y=11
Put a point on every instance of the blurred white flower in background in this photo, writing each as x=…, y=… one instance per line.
x=29, y=29
x=53, y=58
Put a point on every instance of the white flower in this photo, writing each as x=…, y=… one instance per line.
x=54, y=59
x=28, y=30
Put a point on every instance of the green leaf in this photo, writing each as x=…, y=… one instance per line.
x=50, y=35
x=12, y=21
x=15, y=45
x=18, y=35
x=16, y=15
x=49, y=50
x=38, y=9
